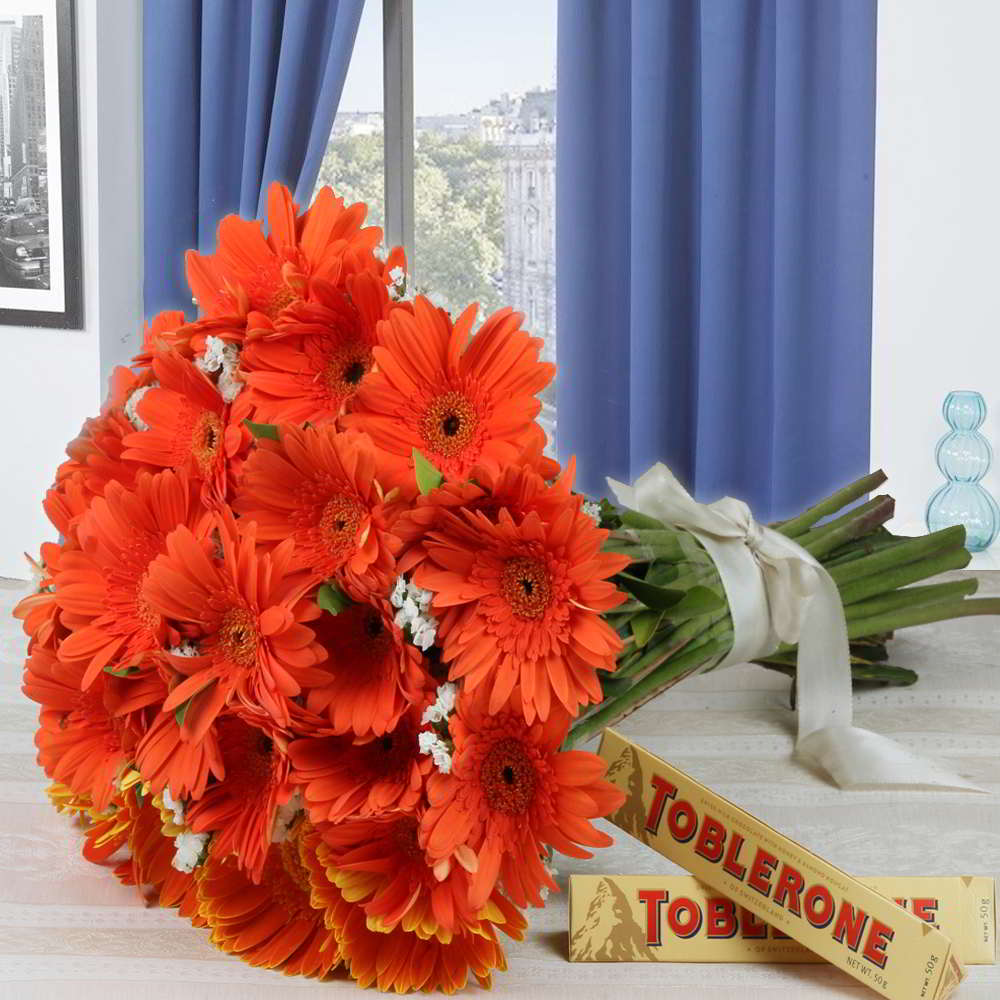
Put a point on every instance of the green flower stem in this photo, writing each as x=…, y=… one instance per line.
x=909, y=597
x=666, y=675
x=853, y=525
x=923, y=615
x=837, y=501
x=905, y=551
x=890, y=582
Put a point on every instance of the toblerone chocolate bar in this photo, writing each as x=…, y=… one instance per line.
x=832, y=914
x=676, y=918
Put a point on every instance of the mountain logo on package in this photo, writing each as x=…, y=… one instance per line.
x=610, y=933
x=631, y=817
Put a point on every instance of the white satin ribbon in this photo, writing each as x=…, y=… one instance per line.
x=778, y=593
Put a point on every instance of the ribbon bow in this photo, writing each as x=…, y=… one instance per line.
x=778, y=592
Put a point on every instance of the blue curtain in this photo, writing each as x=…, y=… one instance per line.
x=236, y=94
x=714, y=237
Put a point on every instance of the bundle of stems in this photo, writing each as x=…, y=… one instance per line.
x=677, y=621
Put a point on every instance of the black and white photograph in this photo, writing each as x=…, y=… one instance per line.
x=39, y=171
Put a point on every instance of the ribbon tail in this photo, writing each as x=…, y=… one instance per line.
x=860, y=759
x=827, y=738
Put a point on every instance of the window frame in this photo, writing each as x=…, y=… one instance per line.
x=398, y=123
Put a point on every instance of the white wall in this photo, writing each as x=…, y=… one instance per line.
x=50, y=380
x=937, y=234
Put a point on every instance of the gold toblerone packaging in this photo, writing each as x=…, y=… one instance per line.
x=676, y=918
x=832, y=914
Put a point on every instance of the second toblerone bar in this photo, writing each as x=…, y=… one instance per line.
x=676, y=918
x=828, y=911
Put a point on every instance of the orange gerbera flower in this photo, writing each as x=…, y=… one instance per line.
x=378, y=864
x=99, y=589
x=522, y=604
x=341, y=779
x=157, y=336
x=273, y=923
x=376, y=672
x=241, y=810
x=166, y=761
x=322, y=489
x=459, y=406
x=190, y=426
x=80, y=743
x=96, y=458
x=247, y=614
x=274, y=271
x=402, y=962
x=518, y=489
x=150, y=860
x=313, y=361
x=39, y=613
x=509, y=793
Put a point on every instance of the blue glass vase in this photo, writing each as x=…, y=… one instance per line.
x=964, y=456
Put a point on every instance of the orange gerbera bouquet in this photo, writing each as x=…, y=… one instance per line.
x=322, y=614
x=324, y=618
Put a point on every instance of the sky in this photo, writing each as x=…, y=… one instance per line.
x=464, y=53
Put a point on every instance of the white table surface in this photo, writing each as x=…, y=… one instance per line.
x=68, y=929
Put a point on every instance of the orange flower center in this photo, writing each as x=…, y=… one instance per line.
x=508, y=777
x=340, y=522
x=206, y=439
x=404, y=834
x=346, y=368
x=267, y=289
x=524, y=584
x=288, y=881
x=239, y=637
x=389, y=756
x=249, y=757
x=449, y=423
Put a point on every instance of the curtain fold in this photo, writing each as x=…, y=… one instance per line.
x=714, y=230
x=236, y=94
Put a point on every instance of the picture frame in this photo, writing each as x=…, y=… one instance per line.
x=41, y=271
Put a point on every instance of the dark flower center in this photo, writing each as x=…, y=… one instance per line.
x=524, y=584
x=508, y=777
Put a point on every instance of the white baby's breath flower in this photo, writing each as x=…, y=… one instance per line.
x=131, y=413
x=424, y=635
x=592, y=509
x=431, y=743
x=186, y=648
x=222, y=357
x=188, y=850
x=413, y=611
x=444, y=705
x=177, y=808
x=398, y=594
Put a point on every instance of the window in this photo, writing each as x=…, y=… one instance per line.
x=479, y=198
x=354, y=162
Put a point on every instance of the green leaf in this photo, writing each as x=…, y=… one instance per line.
x=644, y=624
x=654, y=597
x=332, y=599
x=121, y=671
x=697, y=601
x=182, y=711
x=262, y=430
x=428, y=477
x=633, y=519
